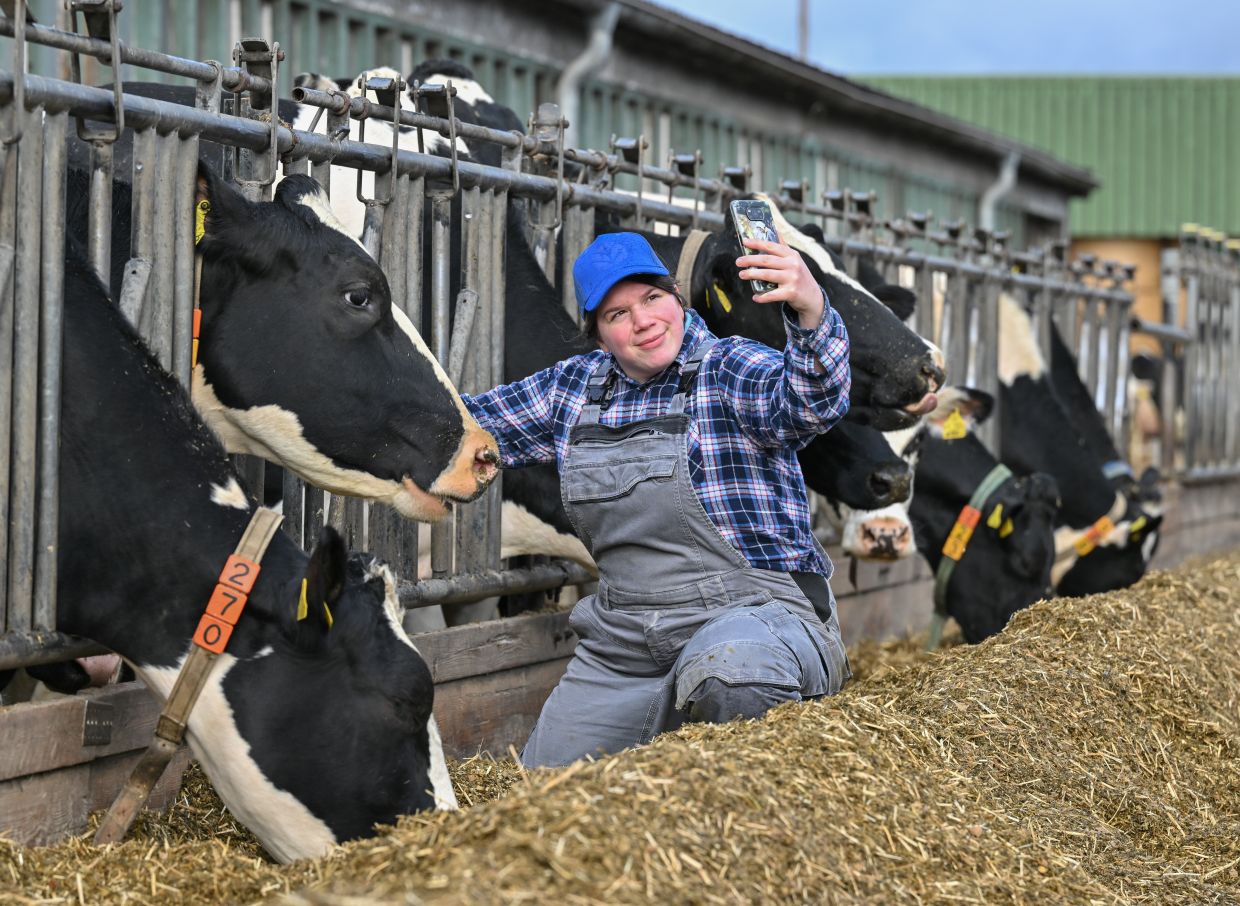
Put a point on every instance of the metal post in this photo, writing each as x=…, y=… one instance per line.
x=142, y=238
x=56, y=130
x=8, y=263
x=184, y=192
x=23, y=453
x=1192, y=355
x=157, y=314
x=498, y=308
x=441, y=250
x=99, y=236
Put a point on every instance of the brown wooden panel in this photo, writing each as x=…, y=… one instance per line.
x=47, y=807
x=41, y=736
x=490, y=713
x=482, y=648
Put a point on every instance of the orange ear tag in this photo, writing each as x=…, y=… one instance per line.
x=954, y=426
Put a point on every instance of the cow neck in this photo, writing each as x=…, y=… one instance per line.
x=1086, y=541
x=958, y=542
x=223, y=609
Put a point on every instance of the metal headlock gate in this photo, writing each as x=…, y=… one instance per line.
x=414, y=195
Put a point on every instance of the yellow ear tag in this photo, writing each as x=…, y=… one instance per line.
x=200, y=220
x=954, y=427
x=1006, y=529
x=724, y=301
x=1137, y=525
x=327, y=611
x=303, y=609
x=996, y=518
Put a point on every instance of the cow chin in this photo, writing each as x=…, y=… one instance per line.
x=414, y=503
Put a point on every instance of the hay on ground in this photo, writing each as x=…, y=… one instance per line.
x=1088, y=754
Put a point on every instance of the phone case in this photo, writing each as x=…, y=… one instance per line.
x=753, y=221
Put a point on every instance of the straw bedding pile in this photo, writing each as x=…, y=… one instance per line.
x=1089, y=754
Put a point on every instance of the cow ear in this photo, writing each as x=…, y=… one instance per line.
x=215, y=203
x=323, y=583
x=969, y=404
x=814, y=232
x=901, y=301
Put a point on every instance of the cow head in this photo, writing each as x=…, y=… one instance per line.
x=894, y=372
x=320, y=726
x=305, y=361
x=1007, y=563
x=854, y=465
x=885, y=532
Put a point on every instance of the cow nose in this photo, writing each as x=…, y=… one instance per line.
x=934, y=375
x=889, y=484
x=486, y=464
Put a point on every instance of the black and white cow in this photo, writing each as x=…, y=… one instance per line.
x=1037, y=434
x=1007, y=564
x=312, y=730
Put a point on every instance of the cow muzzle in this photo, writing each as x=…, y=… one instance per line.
x=881, y=538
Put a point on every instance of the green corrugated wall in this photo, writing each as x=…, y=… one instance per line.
x=336, y=39
x=1166, y=149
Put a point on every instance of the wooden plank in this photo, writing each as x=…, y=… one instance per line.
x=490, y=713
x=42, y=736
x=477, y=649
x=47, y=807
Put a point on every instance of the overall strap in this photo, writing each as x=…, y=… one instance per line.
x=600, y=388
x=688, y=374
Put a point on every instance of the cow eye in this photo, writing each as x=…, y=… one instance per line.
x=358, y=297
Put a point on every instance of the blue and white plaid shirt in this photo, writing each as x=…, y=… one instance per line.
x=751, y=409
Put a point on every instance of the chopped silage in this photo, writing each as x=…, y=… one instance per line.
x=1088, y=754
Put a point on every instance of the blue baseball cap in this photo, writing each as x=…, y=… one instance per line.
x=608, y=260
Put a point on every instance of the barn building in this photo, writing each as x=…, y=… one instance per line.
x=1161, y=146
x=684, y=85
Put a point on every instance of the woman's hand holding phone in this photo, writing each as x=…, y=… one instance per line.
x=783, y=267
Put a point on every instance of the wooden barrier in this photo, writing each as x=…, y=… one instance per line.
x=491, y=680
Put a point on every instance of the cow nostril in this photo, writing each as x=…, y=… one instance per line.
x=933, y=374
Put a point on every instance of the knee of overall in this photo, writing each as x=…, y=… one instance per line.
x=717, y=702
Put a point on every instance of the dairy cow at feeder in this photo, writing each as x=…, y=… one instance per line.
x=1101, y=540
x=318, y=680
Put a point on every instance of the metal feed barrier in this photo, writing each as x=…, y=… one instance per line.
x=413, y=196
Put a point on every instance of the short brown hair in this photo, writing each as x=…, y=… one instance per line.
x=589, y=323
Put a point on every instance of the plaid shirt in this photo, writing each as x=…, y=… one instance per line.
x=751, y=409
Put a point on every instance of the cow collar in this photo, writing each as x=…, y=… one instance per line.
x=1087, y=540
x=958, y=542
x=688, y=259
x=220, y=616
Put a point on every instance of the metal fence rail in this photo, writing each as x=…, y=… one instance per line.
x=1201, y=373
x=958, y=275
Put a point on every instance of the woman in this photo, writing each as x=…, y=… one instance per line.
x=677, y=460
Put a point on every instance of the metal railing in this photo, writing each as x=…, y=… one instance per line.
x=958, y=275
x=1200, y=376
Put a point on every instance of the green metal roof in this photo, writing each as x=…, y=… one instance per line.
x=1167, y=149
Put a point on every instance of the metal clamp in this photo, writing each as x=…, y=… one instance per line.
x=258, y=58
x=17, y=110
x=548, y=126
x=689, y=165
x=100, y=16
x=440, y=101
x=380, y=86
x=633, y=150
x=737, y=178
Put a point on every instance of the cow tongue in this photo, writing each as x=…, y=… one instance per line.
x=927, y=405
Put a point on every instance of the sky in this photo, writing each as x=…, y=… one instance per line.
x=992, y=36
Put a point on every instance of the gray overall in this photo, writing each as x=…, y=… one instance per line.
x=682, y=627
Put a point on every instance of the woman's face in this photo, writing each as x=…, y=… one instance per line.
x=642, y=326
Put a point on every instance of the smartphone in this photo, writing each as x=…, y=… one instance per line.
x=753, y=220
